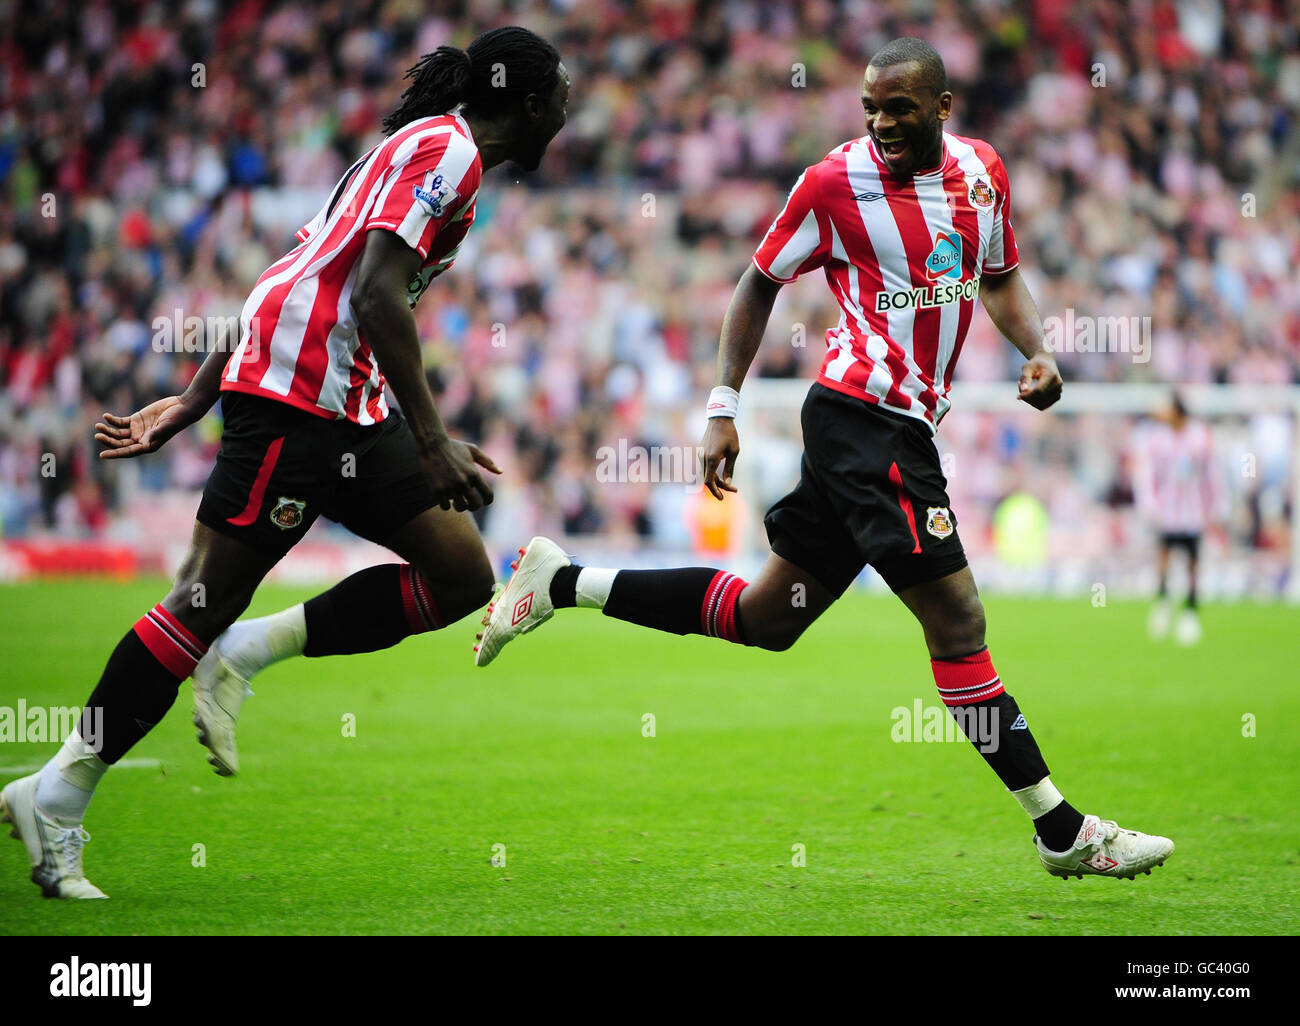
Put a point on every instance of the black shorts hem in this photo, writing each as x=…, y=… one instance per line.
x=831, y=573
x=1187, y=541
x=253, y=539
x=909, y=571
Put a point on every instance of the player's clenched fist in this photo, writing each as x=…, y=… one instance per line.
x=721, y=447
x=1040, y=381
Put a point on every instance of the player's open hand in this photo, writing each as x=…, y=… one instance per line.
x=1040, y=381
x=145, y=430
x=452, y=468
x=721, y=447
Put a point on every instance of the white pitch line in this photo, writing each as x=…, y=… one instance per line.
x=120, y=764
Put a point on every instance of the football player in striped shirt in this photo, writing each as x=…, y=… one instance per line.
x=1178, y=493
x=910, y=224
x=307, y=432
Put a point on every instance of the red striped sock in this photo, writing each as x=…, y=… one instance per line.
x=372, y=609
x=967, y=679
x=719, y=613
x=417, y=601
x=169, y=642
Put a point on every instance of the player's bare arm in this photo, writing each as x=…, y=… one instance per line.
x=742, y=333
x=1013, y=311
x=387, y=267
x=147, y=430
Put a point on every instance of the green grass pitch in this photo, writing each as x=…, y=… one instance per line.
x=693, y=830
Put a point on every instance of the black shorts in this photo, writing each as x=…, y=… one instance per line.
x=280, y=468
x=871, y=491
x=1190, y=543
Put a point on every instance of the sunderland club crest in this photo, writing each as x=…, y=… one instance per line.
x=981, y=194
x=287, y=513
x=938, y=521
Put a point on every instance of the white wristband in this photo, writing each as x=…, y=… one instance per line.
x=723, y=402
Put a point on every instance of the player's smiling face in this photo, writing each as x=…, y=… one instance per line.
x=905, y=117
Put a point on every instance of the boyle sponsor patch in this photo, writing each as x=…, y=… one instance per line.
x=944, y=260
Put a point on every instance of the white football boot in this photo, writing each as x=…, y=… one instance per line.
x=219, y=693
x=1103, y=848
x=1158, y=621
x=1188, y=630
x=55, y=851
x=525, y=602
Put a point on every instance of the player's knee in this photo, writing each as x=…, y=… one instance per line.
x=779, y=642
x=481, y=587
x=769, y=622
x=774, y=635
x=202, y=612
x=463, y=589
x=960, y=632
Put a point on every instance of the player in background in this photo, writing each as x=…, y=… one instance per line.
x=1177, y=492
x=307, y=431
x=909, y=224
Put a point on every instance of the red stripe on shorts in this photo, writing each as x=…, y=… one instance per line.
x=259, y=485
x=905, y=504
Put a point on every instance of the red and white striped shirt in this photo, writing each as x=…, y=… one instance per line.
x=1177, y=488
x=299, y=338
x=904, y=260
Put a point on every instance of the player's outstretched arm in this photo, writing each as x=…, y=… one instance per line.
x=148, y=429
x=1012, y=310
x=742, y=333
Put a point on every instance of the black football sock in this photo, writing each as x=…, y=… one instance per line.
x=1058, y=828
x=989, y=717
x=687, y=600
x=374, y=608
x=999, y=733
x=564, y=586
x=139, y=683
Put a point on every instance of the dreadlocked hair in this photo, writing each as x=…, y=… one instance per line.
x=490, y=78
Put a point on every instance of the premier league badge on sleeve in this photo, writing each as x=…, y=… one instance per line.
x=938, y=521
x=437, y=195
x=287, y=513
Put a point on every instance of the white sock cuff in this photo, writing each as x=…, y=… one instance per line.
x=1038, y=799
x=79, y=763
x=591, y=591
x=286, y=634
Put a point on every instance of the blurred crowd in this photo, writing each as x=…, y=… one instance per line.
x=156, y=157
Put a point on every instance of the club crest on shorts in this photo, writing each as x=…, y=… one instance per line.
x=287, y=513
x=981, y=194
x=938, y=521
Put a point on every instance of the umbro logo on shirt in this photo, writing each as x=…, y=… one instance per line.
x=1020, y=723
x=867, y=197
